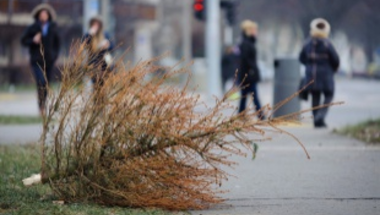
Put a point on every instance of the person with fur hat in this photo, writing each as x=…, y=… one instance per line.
x=322, y=62
x=98, y=46
x=249, y=74
x=43, y=42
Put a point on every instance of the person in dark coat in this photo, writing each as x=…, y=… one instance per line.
x=42, y=35
x=229, y=66
x=98, y=47
x=249, y=74
x=322, y=62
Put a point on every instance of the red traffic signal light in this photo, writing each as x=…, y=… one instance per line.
x=198, y=7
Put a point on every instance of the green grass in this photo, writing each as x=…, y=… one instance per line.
x=19, y=120
x=19, y=162
x=20, y=88
x=368, y=131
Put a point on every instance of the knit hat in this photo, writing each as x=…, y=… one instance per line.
x=36, y=11
x=320, y=28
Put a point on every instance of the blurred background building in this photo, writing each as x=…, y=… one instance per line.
x=14, y=18
x=127, y=22
x=285, y=24
x=148, y=28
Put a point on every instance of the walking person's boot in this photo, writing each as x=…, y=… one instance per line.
x=320, y=123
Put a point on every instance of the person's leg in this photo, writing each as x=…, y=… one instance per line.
x=96, y=82
x=41, y=86
x=321, y=115
x=255, y=95
x=224, y=81
x=315, y=102
x=243, y=99
x=49, y=73
x=103, y=74
x=256, y=100
x=97, y=78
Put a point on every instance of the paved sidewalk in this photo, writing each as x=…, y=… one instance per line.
x=361, y=97
x=20, y=134
x=342, y=177
x=24, y=104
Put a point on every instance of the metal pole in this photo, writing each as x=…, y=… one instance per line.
x=91, y=8
x=10, y=10
x=105, y=9
x=186, y=27
x=213, y=47
x=186, y=34
x=228, y=35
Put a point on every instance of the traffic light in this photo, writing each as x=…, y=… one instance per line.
x=231, y=15
x=200, y=9
x=230, y=7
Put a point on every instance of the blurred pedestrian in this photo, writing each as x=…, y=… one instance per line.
x=98, y=46
x=229, y=65
x=43, y=41
x=249, y=74
x=321, y=62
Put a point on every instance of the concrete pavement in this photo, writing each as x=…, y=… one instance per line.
x=342, y=177
x=16, y=134
x=361, y=98
x=24, y=104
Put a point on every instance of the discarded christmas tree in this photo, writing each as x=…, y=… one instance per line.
x=135, y=142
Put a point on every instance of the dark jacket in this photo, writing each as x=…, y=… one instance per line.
x=97, y=58
x=50, y=43
x=248, y=69
x=229, y=65
x=321, y=62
